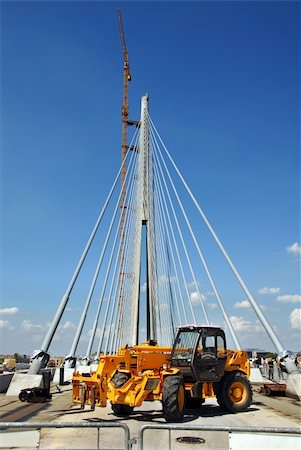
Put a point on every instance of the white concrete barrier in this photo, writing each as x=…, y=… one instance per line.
x=293, y=385
x=19, y=439
x=23, y=381
x=249, y=441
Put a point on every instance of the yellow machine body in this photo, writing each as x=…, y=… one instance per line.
x=146, y=367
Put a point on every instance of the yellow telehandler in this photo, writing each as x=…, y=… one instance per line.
x=198, y=366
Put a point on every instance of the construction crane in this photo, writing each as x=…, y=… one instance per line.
x=124, y=148
x=124, y=113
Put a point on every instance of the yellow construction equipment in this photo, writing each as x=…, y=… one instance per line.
x=198, y=366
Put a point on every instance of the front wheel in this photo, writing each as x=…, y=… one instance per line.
x=234, y=393
x=173, y=399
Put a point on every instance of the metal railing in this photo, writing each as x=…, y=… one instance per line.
x=4, y=426
x=230, y=429
x=170, y=428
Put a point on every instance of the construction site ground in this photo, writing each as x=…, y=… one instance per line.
x=264, y=412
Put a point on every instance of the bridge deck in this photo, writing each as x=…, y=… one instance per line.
x=265, y=411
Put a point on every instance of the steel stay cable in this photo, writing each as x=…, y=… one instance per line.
x=122, y=289
x=176, y=248
x=260, y=315
x=96, y=274
x=164, y=298
x=105, y=284
x=164, y=232
x=162, y=279
x=162, y=292
x=167, y=296
x=182, y=241
x=128, y=284
x=103, y=291
x=220, y=303
x=108, y=303
x=162, y=196
x=191, y=232
x=166, y=227
x=111, y=304
x=180, y=234
x=172, y=254
x=55, y=322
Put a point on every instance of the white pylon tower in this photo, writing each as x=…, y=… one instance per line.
x=144, y=217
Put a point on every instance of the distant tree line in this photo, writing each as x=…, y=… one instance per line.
x=21, y=358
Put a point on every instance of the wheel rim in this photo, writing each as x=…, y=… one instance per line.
x=181, y=398
x=238, y=392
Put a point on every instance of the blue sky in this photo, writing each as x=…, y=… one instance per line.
x=223, y=81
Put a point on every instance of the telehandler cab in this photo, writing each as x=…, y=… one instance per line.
x=198, y=366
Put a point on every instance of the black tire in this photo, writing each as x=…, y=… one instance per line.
x=173, y=399
x=23, y=396
x=122, y=410
x=234, y=393
x=268, y=391
x=120, y=378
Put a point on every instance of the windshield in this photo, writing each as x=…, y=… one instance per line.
x=185, y=344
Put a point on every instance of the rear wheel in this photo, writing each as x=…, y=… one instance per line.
x=234, y=393
x=173, y=399
x=119, y=379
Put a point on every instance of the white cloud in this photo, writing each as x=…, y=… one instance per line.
x=143, y=287
x=9, y=311
x=209, y=294
x=240, y=324
x=295, y=318
x=267, y=290
x=192, y=285
x=195, y=297
x=211, y=305
x=68, y=325
x=289, y=298
x=245, y=304
x=97, y=333
x=26, y=325
x=4, y=323
x=294, y=249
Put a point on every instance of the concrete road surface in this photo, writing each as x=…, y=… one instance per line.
x=281, y=412
x=265, y=411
